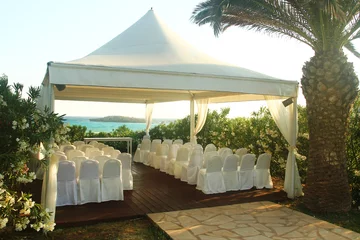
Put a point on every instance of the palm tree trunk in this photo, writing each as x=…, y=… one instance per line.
x=330, y=87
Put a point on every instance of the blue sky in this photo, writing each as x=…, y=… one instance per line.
x=35, y=32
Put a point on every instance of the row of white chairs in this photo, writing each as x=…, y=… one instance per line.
x=89, y=187
x=187, y=162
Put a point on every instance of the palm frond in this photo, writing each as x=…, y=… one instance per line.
x=349, y=46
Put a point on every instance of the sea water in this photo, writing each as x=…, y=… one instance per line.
x=103, y=126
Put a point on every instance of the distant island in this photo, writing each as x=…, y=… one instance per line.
x=124, y=119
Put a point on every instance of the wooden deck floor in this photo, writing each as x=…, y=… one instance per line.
x=154, y=192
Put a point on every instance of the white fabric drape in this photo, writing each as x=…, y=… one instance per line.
x=282, y=117
x=202, y=109
x=148, y=116
x=49, y=187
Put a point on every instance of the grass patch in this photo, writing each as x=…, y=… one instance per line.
x=350, y=220
x=141, y=228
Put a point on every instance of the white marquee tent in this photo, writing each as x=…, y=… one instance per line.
x=148, y=63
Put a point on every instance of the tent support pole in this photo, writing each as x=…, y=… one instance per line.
x=192, y=119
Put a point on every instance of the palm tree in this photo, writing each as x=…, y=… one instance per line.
x=329, y=82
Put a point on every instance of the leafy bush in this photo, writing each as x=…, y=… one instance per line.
x=22, y=130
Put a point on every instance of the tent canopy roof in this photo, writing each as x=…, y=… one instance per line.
x=148, y=62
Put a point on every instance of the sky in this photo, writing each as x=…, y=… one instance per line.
x=36, y=32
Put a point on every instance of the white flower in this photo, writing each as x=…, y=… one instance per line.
x=14, y=123
x=14, y=127
x=3, y=222
x=24, y=120
x=1, y=183
x=1, y=176
x=4, y=104
x=37, y=226
x=49, y=226
x=18, y=227
x=32, y=175
x=17, y=139
x=25, y=211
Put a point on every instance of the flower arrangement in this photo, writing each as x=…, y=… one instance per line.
x=23, y=129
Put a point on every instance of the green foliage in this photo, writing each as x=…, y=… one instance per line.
x=353, y=152
x=23, y=128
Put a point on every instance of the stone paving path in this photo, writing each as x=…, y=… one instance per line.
x=248, y=221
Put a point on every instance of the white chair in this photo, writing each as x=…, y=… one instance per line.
x=78, y=143
x=100, y=145
x=210, y=180
x=85, y=148
x=66, y=184
x=77, y=161
x=101, y=159
x=115, y=153
x=189, y=172
x=80, y=146
x=178, y=141
x=182, y=155
x=161, y=153
x=164, y=163
x=224, y=153
x=240, y=152
x=111, y=182
x=169, y=142
x=230, y=173
x=68, y=148
x=210, y=148
x=207, y=156
x=144, y=150
x=152, y=153
x=182, y=159
x=93, y=143
x=262, y=176
x=127, y=177
x=89, y=182
x=75, y=153
x=137, y=154
x=107, y=150
x=95, y=153
x=246, y=172
x=146, y=137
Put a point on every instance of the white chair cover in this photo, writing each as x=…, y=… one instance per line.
x=179, y=141
x=75, y=153
x=246, y=172
x=77, y=161
x=89, y=182
x=241, y=152
x=59, y=156
x=66, y=148
x=262, y=176
x=210, y=180
x=164, y=163
x=181, y=158
x=207, y=156
x=189, y=172
x=101, y=159
x=230, y=173
x=114, y=153
x=85, y=147
x=76, y=143
x=95, y=153
x=127, y=177
x=107, y=150
x=137, y=154
x=80, y=146
x=161, y=153
x=224, y=153
x=100, y=145
x=66, y=184
x=93, y=143
x=111, y=182
x=151, y=156
x=210, y=148
x=88, y=150
x=169, y=142
x=144, y=150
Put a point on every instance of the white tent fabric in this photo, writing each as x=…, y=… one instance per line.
x=283, y=118
x=202, y=107
x=149, y=63
x=148, y=116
